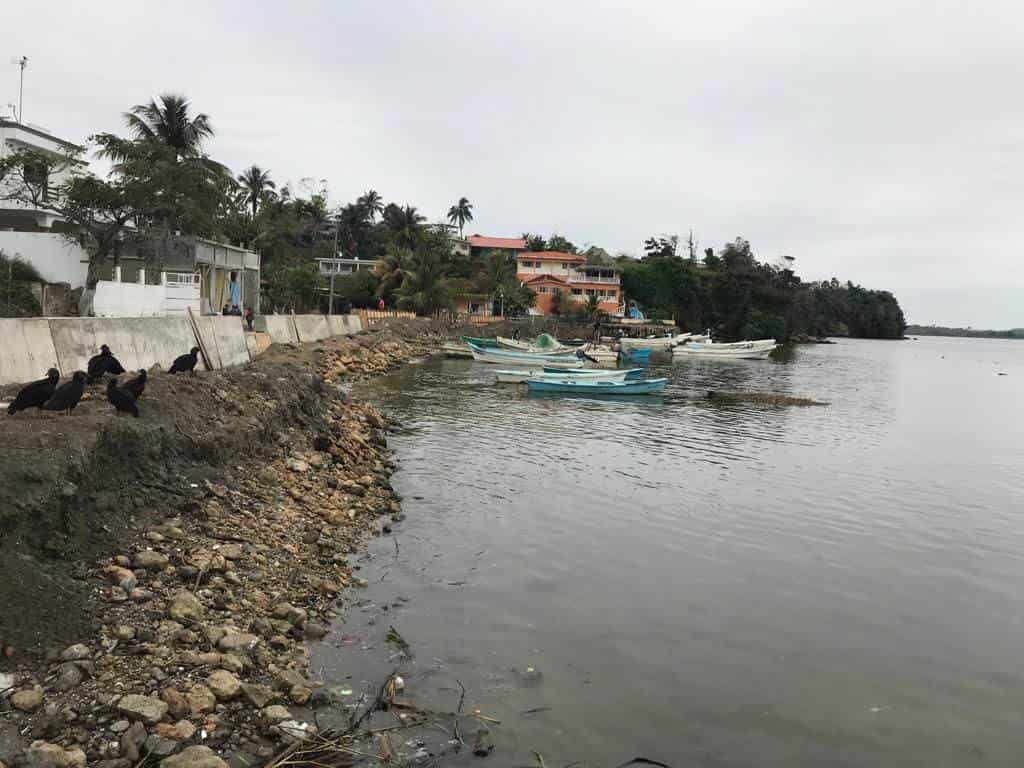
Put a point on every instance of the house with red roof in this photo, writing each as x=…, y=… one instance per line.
x=548, y=273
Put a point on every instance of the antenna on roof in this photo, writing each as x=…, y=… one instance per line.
x=22, y=62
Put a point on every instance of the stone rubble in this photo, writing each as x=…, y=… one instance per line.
x=202, y=650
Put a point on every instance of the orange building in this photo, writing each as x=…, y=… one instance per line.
x=551, y=272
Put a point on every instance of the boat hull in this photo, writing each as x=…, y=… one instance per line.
x=751, y=351
x=555, y=374
x=504, y=357
x=660, y=344
x=601, y=388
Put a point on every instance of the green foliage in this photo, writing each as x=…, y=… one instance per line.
x=535, y=242
x=16, y=297
x=971, y=333
x=461, y=213
x=423, y=288
x=359, y=290
x=559, y=243
x=740, y=298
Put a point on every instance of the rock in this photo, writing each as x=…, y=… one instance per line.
x=28, y=699
x=274, y=714
x=292, y=730
x=132, y=741
x=121, y=577
x=10, y=741
x=124, y=632
x=185, y=607
x=289, y=678
x=299, y=694
x=238, y=641
x=232, y=663
x=257, y=695
x=182, y=730
x=297, y=465
x=151, y=561
x=42, y=754
x=194, y=757
x=158, y=746
x=148, y=709
x=177, y=704
x=225, y=685
x=76, y=652
x=69, y=676
x=232, y=551
x=120, y=726
x=315, y=631
x=201, y=699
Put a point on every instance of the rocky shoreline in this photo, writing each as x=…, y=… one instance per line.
x=203, y=611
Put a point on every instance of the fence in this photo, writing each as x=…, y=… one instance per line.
x=370, y=316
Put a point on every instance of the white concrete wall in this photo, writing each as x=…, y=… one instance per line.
x=128, y=300
x=57, y=259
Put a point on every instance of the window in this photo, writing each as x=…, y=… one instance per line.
x=577, y=292
x=565, y=265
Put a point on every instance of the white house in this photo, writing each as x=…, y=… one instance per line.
x=200, y=277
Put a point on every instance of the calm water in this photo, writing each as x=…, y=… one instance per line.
x=715, y=585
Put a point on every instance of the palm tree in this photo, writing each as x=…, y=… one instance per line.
x=371, y=202
x=405, y=224
x=257, y=184
x=166, y=120
x=391, y=271
x=423, y=288
x=461, y=213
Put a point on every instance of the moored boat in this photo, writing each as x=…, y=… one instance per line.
x=656, y=344
x=579, y=386
x=480, y=342
x=508, y=357
x=455, y=349
x=740, y=350
x=557, y=374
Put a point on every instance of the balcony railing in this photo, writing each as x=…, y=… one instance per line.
x=594, y=279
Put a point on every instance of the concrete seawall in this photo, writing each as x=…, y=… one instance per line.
x=30, y=346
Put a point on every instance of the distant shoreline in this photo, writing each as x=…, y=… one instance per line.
x=963, y=333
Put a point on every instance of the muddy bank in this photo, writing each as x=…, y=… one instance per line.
x=159, y=576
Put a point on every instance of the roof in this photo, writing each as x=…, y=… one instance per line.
x=545, y=279
x=551, y=256
x=513, y=243
x=36, y=131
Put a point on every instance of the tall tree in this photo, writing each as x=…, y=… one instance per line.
x=371, y=202
x=461, y=213
x=167, y=120
x=405, y=224
x=256, y=184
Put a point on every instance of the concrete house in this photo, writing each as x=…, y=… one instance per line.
x=551, y=272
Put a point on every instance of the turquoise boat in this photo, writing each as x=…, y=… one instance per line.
x=482, y=343
x=631, y=373
x=638, y=356
x=641, y=387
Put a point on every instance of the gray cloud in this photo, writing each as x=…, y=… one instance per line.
x=879, y=142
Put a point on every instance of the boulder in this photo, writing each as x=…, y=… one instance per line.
x=194, y=757
x=224, y=684
x=151, y=561
x=28, y=699
x=234, y=642
x=274, y=714
x=177, y=704
x=43, y=754
x=257, y=695
x=201, y=700
x=147, y=709
x=68, y=676
x=185, y=607
x=77, y=652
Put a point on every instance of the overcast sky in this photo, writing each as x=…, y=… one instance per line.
x=879, y=142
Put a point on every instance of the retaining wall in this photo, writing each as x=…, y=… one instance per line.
x=279, y=328
x=30, y=346
x=311, y=327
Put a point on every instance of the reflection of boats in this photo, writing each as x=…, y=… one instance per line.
x=579, y=386
x=508, y=357
x=739, y=350
x=555, y=374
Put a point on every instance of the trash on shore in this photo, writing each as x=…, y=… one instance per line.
x=764, y=398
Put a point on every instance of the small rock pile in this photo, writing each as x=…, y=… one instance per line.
x=372, y=353
x=204, y=621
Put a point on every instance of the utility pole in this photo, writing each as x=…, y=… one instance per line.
x=22, y=63
x=330, y=304
x=692, y=245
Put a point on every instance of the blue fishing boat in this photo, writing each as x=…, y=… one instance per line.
x=641, y=387
x=637, y=356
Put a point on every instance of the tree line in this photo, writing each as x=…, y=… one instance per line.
x=163, y=191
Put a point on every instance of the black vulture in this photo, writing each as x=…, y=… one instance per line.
x=67, y=395
x=137, y=385
x=186, y=363
x=121, y=399
x=35, y=394
x=103, y=363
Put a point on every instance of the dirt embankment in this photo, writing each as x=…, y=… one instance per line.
x=160, y=575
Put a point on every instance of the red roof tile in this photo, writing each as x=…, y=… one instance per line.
x=531, y=279
x=513, y=243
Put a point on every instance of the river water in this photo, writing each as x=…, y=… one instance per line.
x=712, y=584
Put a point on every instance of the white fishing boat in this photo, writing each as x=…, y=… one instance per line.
x=681, y=338
x=654, y=343
x=508, y=357
x=456, y=350
x=739, y=350
x=533, y=349
x=602, y=354
x=521, y=376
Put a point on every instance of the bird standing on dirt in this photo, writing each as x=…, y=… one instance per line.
x=35, y=394
x=137, y=385
x=103, y=363
x=121, y=399
x=67, y=395
x=186, y=363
